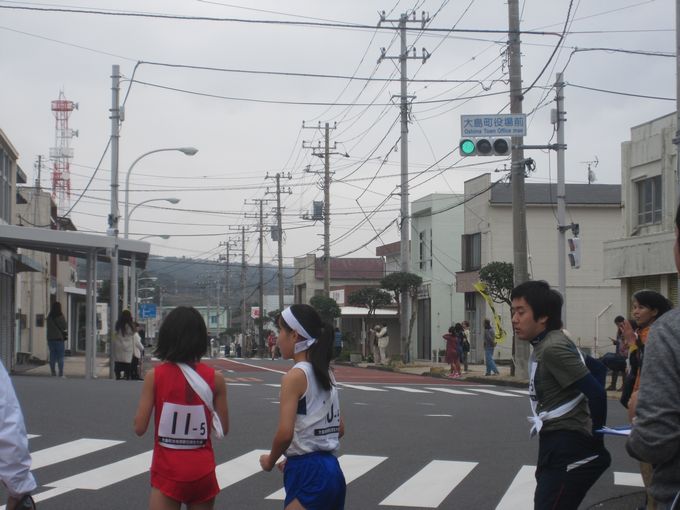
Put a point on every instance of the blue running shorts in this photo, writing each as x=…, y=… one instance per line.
x=315, y=480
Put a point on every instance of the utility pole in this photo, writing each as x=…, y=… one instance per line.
x=279, y=229
x=559, y=120
x=325, y=154
x=519, y=220
x=113, y=215
x=227, y=244
x=676, y=140
x=243, y=287
x=261, y=202
x=405, y=252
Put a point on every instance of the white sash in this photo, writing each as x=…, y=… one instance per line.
x=538, y=418
x=202, y=389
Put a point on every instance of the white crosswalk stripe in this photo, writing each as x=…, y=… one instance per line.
x=67, y=451
x=359, y=387
x=407, y=389
x=425, y=487
x=445, y=389
x=520, y=494
x=494, y=392
x=430, y=486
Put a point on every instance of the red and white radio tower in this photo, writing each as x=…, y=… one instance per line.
x=62, y=153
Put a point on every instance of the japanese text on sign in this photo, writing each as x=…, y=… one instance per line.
x=493, y=125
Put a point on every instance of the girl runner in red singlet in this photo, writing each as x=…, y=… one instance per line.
x=188, y=397
x=310, y=425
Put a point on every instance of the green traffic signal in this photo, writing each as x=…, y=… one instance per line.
x=467, y=147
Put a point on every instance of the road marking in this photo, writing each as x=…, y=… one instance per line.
x=431, y=485
x=240, y=468
x=360, y=403
x=494, y=392
x=449, y=390
x=520, y=494
x=67, y=451
x=31, y=436
x=439, y=415
x=258, y=366
x=407, y=389
x=353, y=466
x=273, y=385
x=521, y=392
x=101, y=477
x=238, y=384
x=629, y=479
x=363, y=388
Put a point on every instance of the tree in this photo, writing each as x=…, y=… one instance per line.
x=327, y=308
x=369, y=297
x=409, y=283
x=499, y=280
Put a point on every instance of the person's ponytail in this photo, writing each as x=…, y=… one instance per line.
x=321, y=353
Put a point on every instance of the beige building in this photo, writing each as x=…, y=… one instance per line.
x=642, y=255
x=592, y=293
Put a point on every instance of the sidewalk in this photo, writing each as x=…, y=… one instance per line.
x=74, y=367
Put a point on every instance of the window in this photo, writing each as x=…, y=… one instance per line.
x=649, y=201
x=425, y=257
x=472, y=252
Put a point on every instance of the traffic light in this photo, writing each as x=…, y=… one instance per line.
x=574, y=252
x=485, y=146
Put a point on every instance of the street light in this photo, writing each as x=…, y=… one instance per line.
x=126, y=270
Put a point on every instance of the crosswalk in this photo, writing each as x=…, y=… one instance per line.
x=423, y=486
x=420, y=389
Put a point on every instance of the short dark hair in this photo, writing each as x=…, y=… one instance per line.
x=543, y=300
x=183, y=336
x=653, y=300
x=321, y=352
x=487, y=323
x=619, y=318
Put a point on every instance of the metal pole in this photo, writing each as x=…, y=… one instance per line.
x=561, y=198
x=243, y=287
x=677, y=107
x=228, y=290
x=280, y=235
x=327, y=217
x=519, y=221
x=405, y=251
x=113, y=217
x=260, y=326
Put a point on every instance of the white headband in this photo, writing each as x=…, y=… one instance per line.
x=307, y=341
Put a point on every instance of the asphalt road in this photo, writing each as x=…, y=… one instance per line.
x=411, y=442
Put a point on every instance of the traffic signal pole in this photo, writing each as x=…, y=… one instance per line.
x=560, y=119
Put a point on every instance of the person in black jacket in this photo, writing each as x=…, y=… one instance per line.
x=56, y=337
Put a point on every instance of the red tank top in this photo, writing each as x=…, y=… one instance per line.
x=182, y=425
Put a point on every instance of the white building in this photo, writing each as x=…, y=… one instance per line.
x=642, y=256
x=436, y=230
x=592, y=295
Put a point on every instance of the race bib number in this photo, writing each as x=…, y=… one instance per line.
x=182, y=427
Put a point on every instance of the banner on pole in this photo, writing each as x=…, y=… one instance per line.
x=500, y=332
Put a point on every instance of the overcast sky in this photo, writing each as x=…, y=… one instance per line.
x=246, y=125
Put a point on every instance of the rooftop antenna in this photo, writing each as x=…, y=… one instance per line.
x=591, y=164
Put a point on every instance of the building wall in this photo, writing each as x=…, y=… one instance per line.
x=440, y=219
x=8, y=186
x=588, y=290
x=33, y=288
x=642, y=255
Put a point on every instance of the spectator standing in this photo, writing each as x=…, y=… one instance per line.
x=568, y=403
x=56, y=338
x=616, y=361
x=337, y=342
x=123, y=345
x=271, y=343
x=383, y=342
x=452, y=352
x=372, y=339
x=15, y=460
x=489, y=347
x=137, y=356
x=466, y=344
